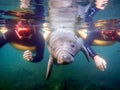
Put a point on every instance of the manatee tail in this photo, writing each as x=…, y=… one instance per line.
x=49, y=67
x=86, y=53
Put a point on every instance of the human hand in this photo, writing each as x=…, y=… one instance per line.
x=28, y=55
x=101, y=4
x=100, y=63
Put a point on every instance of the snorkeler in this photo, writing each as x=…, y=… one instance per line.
x=26, y=31
x=26, y=34
x=87, y=16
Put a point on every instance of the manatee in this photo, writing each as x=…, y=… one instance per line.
x=63, y=42
x=63, y=45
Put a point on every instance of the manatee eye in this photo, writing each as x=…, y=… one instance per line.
x=72, y=46
x=53, y=48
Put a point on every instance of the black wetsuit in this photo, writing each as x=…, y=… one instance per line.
x=36, y=40
x=109, y=35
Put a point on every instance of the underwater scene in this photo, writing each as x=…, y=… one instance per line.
x=16, y=73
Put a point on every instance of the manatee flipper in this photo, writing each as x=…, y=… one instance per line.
x=84, y=50
x=49, y=67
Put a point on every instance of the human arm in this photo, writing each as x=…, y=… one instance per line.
x=3, y=40
x=99, y=61
x=39, y=53
x=95, y=7
x=6, y=37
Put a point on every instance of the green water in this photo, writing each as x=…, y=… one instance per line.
x=18, y=74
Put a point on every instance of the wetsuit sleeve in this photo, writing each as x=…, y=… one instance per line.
x=89, y=16
x=91, y=52
x=93, y=34
x=39, y=45
x=89, y=40
x=5, y=38
x=90, y=13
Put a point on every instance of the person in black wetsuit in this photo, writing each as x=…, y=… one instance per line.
x=25, y=34
x=26, y=31
x=88, y=14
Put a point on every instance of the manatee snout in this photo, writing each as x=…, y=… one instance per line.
x=64, y=57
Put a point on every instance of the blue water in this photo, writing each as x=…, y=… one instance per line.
x=18, y=74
